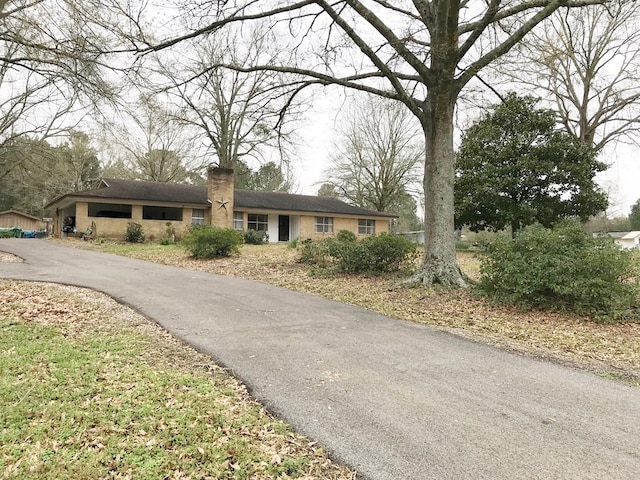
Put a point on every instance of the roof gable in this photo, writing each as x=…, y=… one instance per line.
x=631, y=235
x=22, y=214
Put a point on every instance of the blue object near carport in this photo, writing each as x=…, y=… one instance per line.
x=34, y=234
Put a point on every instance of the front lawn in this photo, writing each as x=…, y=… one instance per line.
x=91, y=390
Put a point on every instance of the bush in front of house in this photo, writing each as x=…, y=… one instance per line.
x=211, y=242
x=254, y=237
x=563, y=268
x=376, y=254
x=314, y=253
x=381, y=253
x=346, y=236
x=134, y=233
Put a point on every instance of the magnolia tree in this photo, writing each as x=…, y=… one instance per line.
x=515, y=169
x=420, y=53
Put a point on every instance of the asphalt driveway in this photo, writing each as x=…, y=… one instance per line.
x=390, y=399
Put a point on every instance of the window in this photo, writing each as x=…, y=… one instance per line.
x=258, y=222
x=109, y=210
x=161, y=213
x=238, y=220
x=197, y=216
x=324, y=224
x=366, y=227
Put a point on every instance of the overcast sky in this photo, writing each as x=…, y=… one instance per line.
x=621, y=180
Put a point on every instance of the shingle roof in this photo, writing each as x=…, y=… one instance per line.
x=299, y=203
x=197, y=194
x=150, y=191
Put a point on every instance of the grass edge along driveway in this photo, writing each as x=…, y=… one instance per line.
x=89, y=389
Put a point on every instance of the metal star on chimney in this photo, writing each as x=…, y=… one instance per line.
x=223, y=203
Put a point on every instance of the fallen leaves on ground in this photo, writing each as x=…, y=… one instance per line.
x=236, y=423
x=8, y=258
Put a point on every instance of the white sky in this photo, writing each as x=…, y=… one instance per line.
x=621, y=179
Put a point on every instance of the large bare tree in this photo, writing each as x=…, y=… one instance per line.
x=53, y=59
x=378, y=155
x=421, y=53
x=587, y=61
x=148, y=141
x=235, y=115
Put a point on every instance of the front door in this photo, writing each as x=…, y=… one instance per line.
x=283, y=228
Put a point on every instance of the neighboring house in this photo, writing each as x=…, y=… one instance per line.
x=13, y=218
x=109, y=208
x=627, y=240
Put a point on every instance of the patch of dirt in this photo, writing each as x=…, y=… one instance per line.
x=9, y=258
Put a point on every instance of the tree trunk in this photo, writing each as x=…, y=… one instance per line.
x=439, y=264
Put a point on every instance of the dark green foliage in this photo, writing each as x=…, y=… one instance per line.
x=346, y=236
x=375, y=254
x=460, y=245
x=134, y=233
x=515, y=169
x=634, y=216
x=33, y=172
x=378, y=254
x=254, y=237
x=270, y=177
x=562, y=269
x=315, y=253
x=10, y=232
x=212, y=242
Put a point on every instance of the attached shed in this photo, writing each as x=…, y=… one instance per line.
x=13, y=218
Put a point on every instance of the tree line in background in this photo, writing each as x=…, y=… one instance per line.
x=172, y=90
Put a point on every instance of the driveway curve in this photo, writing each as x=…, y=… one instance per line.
x=390, y=399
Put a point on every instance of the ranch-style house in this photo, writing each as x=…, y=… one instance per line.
x=108, y=209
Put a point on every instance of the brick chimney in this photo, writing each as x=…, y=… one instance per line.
x=220, y=194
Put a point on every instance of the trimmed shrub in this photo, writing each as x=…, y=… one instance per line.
x=376, y=254
x=460, y=245
x=562, y=269
x=380, y=253
x=254, y=237
x=134, y=233
x=346, y=236
x=315, y=253
x=212, y=242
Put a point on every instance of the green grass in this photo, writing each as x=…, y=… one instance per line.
x=100, y=405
